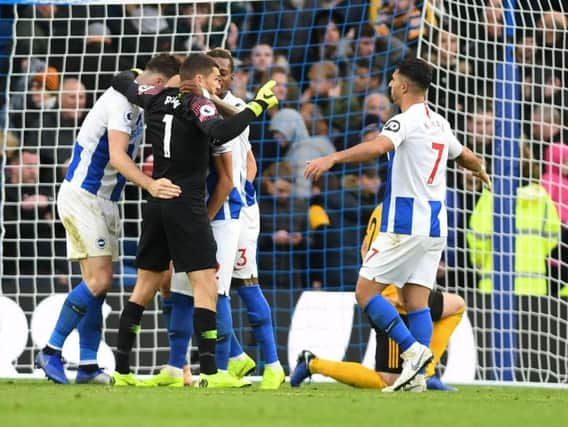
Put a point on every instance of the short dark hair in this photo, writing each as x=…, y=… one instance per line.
x=219, y=52
x=367, y=30
x=165, y=64
x=278, y=69
x=197, y=63
x=417, y=70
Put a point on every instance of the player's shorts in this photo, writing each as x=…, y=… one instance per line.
x=176, y=230
x=401, y=259
x=92, y=224
x=181, y=284
x=226, y=234
x=245, y=266
x=387, y=355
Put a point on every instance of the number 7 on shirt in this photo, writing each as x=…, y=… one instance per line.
x=440, y=149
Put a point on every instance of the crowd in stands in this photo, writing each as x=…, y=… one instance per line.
x=332, y=61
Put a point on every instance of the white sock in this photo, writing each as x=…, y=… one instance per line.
x=238, y=357
x=274, y=365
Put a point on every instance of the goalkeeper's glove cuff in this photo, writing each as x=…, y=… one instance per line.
x=257, y=107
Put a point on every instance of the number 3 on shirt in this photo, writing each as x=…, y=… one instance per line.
x=440, y=149
x=168, y=118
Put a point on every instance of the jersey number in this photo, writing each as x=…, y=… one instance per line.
x=243, y=257
x=168, y=119
x=440, y=149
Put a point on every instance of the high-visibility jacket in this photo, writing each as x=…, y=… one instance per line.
x=537, y=233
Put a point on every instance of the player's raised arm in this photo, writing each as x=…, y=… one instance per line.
x=470, y=161
x=222, y=131
x=362, y=152
x=226, y=109
x=139, y=94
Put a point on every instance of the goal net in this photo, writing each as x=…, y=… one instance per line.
x=500, y=72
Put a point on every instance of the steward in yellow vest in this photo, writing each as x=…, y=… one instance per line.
x=537, y=233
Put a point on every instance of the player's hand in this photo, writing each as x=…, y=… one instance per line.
x=264, y=99
x=482, y=174
x=190, y=86
x=163, y=188
x=315, y=168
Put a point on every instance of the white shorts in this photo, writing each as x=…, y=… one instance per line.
x=92, y=224
x=401, y=259
x=181, y=284
x=226, y=233
x=245, y=261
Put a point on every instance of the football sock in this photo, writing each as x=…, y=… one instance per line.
x=260, y=319
x=350, y=373
x=441, y=333
x=420, y=326
x=224, y=332
x=166, y=304
x=236, y=351
x=180, y=328
x=90, y=329
x=384, y=316
x=73, y=310
x=127, y=331
x=204, y=322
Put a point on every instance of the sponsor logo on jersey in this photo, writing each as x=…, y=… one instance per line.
x=392, y=125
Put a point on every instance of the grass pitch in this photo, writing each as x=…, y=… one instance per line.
x=42, y=404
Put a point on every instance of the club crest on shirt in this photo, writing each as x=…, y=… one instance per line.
x=101, y=243
x=392, y=125
x=128, y=116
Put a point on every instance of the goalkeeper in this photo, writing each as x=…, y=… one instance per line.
x=446, y=310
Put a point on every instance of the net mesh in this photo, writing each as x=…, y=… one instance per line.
x=332, y=66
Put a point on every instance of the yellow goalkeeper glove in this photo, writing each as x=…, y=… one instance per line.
x=264, y=99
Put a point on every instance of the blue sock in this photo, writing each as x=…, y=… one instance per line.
x=166, y=304
x=420, y=325
x=73, y=310
x=90, y=329
x=180, y=329
x=224, y=332
x=236, y=348
x=383, y=315
x=260, y=318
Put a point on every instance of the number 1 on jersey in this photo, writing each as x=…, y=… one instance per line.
x=168, y=119
x=440, y=149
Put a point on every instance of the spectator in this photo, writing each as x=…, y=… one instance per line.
x=99, y=62
x=399, y=18
x=452, y=77
x=328, y=43
x=283, y=220
x=545, y=129
x=377, y=108
x=313, y=119
x=29, y=213
x=55, y=131
x=555, y=181
x=366, y=77
x=481, y=129
x=289, y=128
x=338, y=221
x=365, y=43
x=337, y=106
x=537, y=229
